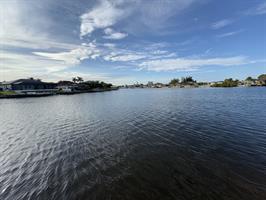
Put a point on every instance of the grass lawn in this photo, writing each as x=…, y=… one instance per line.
x=7, y=93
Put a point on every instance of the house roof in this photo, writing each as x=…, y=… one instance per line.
x=25, y=81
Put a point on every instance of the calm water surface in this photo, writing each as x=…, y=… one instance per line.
x=135, y=144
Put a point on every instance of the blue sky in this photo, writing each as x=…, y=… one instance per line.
x=129, y=41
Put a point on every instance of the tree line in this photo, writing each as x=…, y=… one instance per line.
x=85, y=85
x=183, y=81
x=229, y=82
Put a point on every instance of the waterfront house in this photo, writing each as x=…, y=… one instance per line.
x=27, y=85
x=216, y=83
x=250, y=83
x=66, y=86
x=259, y=83
x=150, y=84
x=159, y=85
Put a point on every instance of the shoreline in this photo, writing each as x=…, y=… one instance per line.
x=189, y=87
x=14, y=96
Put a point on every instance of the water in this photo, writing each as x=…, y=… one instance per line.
x=135, y=144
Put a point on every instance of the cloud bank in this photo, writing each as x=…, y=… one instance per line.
x=186, y=64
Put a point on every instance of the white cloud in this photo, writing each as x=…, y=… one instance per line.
x=24, y=24
x=111, y=34
x=186, y=64
x=152, y=52
x=159, y=52
x=109, y=45
x=116, y=36
x=162, y=56
x=258, y=10
x=145, y=15
x=37, y=42
x=124, y=58
x=221, y=23
x=229, y=34
x=103, y=15
x=16, y=63
x=73, y=57
x=108, y=31
x=261, y=9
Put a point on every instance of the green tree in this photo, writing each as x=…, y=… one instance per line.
x=74, y=79
x=187, y=80
x=262, y=79
x=249, y=79
x=79, y=79
x=174, y=81
x=227, y=83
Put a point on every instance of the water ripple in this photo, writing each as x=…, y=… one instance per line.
x=135, y=144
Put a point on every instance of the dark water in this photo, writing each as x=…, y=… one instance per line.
x=135, y=144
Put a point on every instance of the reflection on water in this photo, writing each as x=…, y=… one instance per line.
x=135, y=144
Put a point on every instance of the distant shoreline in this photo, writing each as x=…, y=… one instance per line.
x=191, y=87
x=14, y=96
x=17, y=96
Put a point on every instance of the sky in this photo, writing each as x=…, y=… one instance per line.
x=129, y=41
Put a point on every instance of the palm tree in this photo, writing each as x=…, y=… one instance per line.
x=79, y=79
x=74, y=79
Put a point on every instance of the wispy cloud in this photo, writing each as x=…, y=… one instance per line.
x=154, y=14
x=109, y=45
x=36, y=42
x=159, y=52
x=22, y=27
x=221, y=23
x=187, y=64
x=229, y=34
x=74, y=56
x=111, y=34
x=124, y=58
x=258, y=10
x=20, y=62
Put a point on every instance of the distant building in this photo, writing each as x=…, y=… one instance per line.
x=216, y=82
x=65, y=86
x=159, y=85
x=150, y=84
x=259, y=83
x=250, y=83
x=26, y=84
